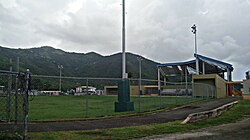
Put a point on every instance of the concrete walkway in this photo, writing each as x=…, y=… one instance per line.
x=162, y=117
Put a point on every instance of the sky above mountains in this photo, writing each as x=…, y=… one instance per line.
x=157, y=29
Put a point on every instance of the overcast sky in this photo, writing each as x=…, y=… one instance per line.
x=156, y=29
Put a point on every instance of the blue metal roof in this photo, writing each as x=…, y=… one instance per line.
x=211, y=61
x=216, y=62
x=177, y=63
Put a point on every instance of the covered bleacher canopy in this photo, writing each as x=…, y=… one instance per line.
x=206, y=66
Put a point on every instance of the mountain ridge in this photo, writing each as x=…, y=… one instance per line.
x=44, y=61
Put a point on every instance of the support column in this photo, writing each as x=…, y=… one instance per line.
x=186, y=80
x=203, y=67
x=197, y=66
x=229, y=87
x=229, y=78
x=165, y=81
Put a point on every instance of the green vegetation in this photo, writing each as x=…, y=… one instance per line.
x=45, y=61
x=238, y=112
x=63, y=107
x=9, y=136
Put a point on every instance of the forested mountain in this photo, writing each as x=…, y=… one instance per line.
x=45, y=61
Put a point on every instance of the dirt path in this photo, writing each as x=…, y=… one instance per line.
x=233, y=131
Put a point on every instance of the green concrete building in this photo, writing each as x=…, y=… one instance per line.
x=215, y=85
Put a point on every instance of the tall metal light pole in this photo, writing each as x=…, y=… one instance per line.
x=60, y=67
x=124, y=74
x=194, y=31
x=124, y=103
x=139, y=60
x=140, y=91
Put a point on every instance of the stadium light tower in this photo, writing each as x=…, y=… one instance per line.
x=194, y=31
x=60, y=67
x=140, y=61
x=140, y=91
x=124, y=103
x=124, y=74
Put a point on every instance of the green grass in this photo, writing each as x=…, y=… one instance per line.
x=9, y=136
x=68, y=107
x=236, y=113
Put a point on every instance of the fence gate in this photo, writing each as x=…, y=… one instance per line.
x=14, y=89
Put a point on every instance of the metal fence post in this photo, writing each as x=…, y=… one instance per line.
x=16, y=91
x=176, y=97
x=9, y=92
x=87, y=98
x=26, y=104
x=159, y=87
x=139, y=97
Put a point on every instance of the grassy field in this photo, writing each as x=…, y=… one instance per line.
x=238, y=112
x=64, y=107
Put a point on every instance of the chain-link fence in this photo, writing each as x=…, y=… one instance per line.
x=14, y=87
x=49, y=103
x=185, y=93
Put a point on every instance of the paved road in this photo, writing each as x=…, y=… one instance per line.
x=162, y=117
x=233, y=131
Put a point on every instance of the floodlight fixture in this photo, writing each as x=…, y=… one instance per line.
x=194, y=29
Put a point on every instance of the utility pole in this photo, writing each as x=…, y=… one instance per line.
x=194, y=31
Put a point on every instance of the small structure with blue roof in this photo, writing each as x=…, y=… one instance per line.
x=212, y=73
x=206, y=64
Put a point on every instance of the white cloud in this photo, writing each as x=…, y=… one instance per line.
x=159, y=30
x=75, y=6
x=248, y=2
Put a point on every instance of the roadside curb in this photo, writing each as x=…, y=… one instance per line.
x=194, y=117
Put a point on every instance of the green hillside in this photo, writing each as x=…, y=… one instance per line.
x=45, y=61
